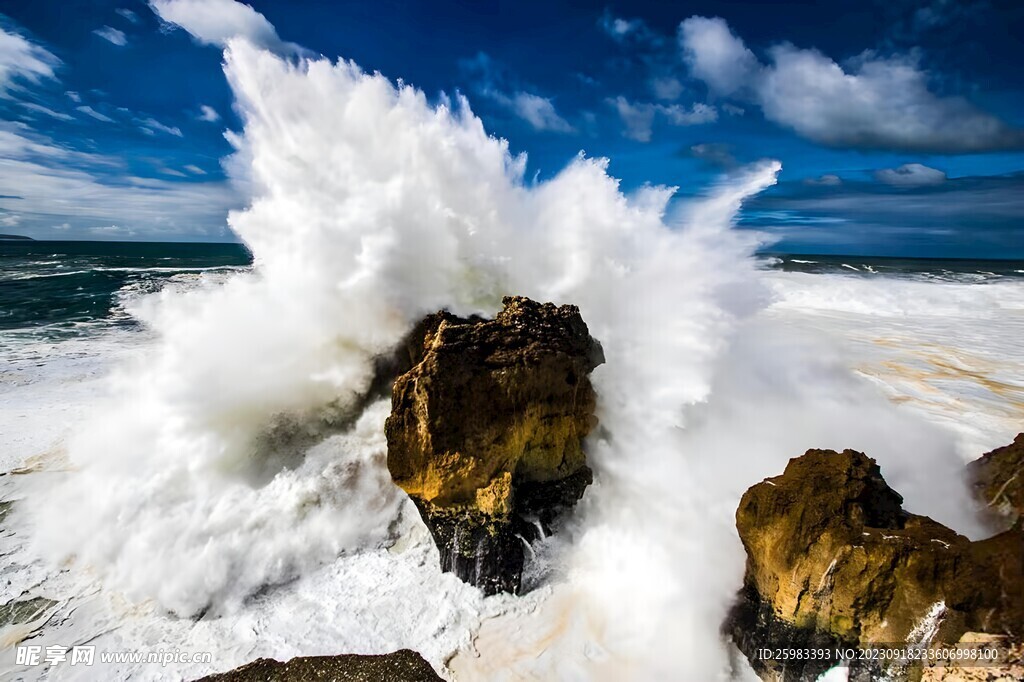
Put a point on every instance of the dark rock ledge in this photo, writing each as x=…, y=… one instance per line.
x=401, y=666
x=998, y=481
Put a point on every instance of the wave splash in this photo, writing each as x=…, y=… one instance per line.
x=223, y=460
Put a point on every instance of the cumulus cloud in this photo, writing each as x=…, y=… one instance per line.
x=873, y=103
x=716, y=56
x=208, y=114
x=21, y=59
x=215, y=22
x=911, y=175
x=113, y=35
x=638, y=117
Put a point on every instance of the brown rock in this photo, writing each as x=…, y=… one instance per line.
x=486, y=431
x=834, y=560
x=998, y=481
x=401, y=666
x=1008, y=668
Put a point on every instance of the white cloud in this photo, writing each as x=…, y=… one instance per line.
x=638, y=117
x=73, y=96
x=631, y=31
x=696, y=115
x=194, y=169
x=128, y=14
x=539, y=112
x=151, y=126
x=666, y=88
x=40, y=109
x=535, y=109
x=22, y=59
x=215, y=22
x=715, y=55
x=876, y=103
x=911, y=175
x=113, y=35
x=89, y=111
x=619, y=28
x=62, y=189
x=208, y=114
x=10, y=220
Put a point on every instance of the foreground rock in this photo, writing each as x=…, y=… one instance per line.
x=998, y=480
x=833, y=560
x=401, y=666
x=486, y=432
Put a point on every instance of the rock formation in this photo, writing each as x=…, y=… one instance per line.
x=998, y=480
x=834, y=560
x=486, y=432
x=401, y=666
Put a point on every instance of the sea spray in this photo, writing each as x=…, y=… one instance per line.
x=369, y=207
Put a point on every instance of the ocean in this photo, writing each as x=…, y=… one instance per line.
x=63, y=288
x=135, y=375
x=57, y=287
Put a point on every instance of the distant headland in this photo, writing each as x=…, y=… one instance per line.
x=15, y=237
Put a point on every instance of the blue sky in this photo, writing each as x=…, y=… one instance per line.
x=900, y=125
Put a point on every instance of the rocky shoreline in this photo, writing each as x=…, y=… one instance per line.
x=835, y=562
x=486, y=436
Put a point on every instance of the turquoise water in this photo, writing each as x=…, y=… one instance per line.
x=60, y=286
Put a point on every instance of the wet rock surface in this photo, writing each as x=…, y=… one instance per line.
x=998, y=481
x=401, y=666
x=486, y=432
x=833, y=560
